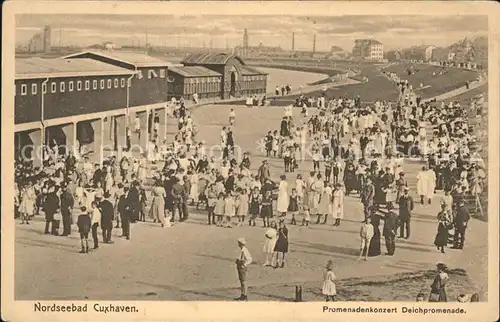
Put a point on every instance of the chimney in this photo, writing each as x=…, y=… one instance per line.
x=293, y=42
x=314, y=44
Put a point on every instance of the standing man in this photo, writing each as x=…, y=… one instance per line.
x=50, y=207
x=461, y=220
x=67, y=203
x=96, y=221
x=242, y=262
x=264, y=172
x=405, y=208
x=107, y=211
x=389, y=232
x=367, y=196
x=133, y=201
x=124, y=213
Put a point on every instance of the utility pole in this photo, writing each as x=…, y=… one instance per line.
x=314, y=44
x=293, y=42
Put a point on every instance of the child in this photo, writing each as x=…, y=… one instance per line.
x=229, y=209
x=242, y=206
x=329, y=289
x=83, y=224
x=254, y=201
x=266, y=209
x=219, y=208
x=293, y=205
x=366, y=234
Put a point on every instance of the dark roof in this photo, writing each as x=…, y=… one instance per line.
x=247, y=70
x=131, y=58
x=193, y=71
x=63, y=67
x=209, y=59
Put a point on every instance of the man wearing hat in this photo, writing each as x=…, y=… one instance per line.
x=263, y=172
x=405, y=208
x=367, y=196
x=67, y=203
x=242, y=262
x=389, y=231
x=50, y=207
x=107, y=215
x=461, y=220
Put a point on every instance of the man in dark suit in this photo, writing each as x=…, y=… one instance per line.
x=107, y=215
x=230, y=182
x=133, y=201
x=124, y=212
x=367, y=196
x=177, y=198
x=67, y=203
x=405, y=208
x=461, y=220
x=389, y=232
x=50, y=207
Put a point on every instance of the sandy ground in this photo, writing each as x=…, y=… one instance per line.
x=296, y=79
x=193, y=261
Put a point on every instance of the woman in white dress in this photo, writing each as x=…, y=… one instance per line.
x=271, y=238
x=108, y=179
x=338, y=204
x=194, y=192
x=325, y=206
x=282, y=205
x=27, y=204
x=157, y=211
x=141, y=171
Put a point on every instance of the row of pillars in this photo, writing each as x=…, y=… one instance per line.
x=109, y=134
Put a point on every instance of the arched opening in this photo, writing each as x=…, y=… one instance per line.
x=234, y=79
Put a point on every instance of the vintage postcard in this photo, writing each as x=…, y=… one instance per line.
x=229, y=161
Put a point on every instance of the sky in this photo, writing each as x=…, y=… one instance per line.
x=196, y=31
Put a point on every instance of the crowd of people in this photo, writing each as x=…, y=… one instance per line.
x=355, y=149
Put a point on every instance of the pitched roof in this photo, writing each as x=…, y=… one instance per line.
x=247, y=70
x=193, y=71
x=63, y=67
x=209, y=59
x=132, y=58
x=368, y=41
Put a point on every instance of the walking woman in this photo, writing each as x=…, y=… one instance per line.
x=282, y=205
x=266, y=209
x=329, y=289
x=157, y=211
x=325, y=208
x=338, y=204
x=270, y=243
x=281, y=247
x=438, y=286
x=27, y=204
x=254, y=209
x=444, y=223
x=374, y=249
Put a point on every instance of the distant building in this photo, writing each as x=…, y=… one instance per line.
x=394, y=55
x=423, y=53
x=109, y=45
x=369, y=49
x=257, y=50
x=40, y=42
x=337, y=52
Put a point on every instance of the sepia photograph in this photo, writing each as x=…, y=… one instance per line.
x=249, y=158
